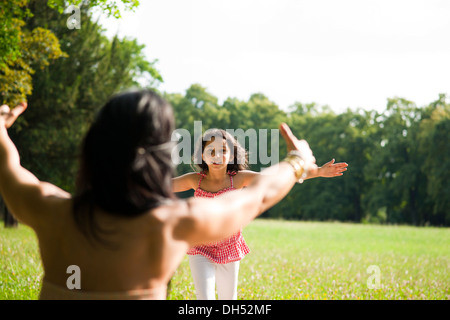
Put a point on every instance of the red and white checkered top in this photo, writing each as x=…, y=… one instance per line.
x=229, y=250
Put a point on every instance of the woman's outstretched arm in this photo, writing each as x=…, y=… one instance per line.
x=25, y=196
x=214, y=219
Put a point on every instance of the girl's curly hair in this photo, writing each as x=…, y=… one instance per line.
x=239, y=156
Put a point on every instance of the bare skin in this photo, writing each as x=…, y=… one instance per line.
x=149, y=247
x=216, y=155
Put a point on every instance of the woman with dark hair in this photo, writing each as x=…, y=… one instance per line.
x=124, y=232
x=221, y=165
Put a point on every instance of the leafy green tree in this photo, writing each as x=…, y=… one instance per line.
x=196, y=105
x=70, y=90
x=395, y=162
x=12, y=13
x=341, y=137
x=433, y=145
x=24, y=49
x=111, y=7
x=239, y=114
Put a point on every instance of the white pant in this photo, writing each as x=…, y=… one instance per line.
x=207, y=274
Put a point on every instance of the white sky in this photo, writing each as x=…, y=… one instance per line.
x=344, y=53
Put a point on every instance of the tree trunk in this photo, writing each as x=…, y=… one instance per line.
x=357, y=206
x=412, y=205
x=10, y=221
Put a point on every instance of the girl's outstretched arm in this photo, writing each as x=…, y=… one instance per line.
x=185, y=182
x=329, y=170
x=25, y=196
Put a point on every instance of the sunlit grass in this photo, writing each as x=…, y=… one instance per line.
x=302, y=260
x=20, y=264
x=290, y=260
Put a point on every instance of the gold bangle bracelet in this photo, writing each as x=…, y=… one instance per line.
x=298, y=165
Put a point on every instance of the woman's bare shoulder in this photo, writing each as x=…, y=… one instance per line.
x=179, y=217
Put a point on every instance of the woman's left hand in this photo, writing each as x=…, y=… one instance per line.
x=8, y=116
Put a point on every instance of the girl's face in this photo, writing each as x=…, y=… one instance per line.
x=216, y=153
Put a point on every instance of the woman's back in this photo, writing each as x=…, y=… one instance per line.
x=134, y=254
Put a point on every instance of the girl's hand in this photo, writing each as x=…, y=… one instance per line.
x=331, y=169
x=8, y=117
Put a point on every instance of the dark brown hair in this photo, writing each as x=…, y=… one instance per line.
x=125, y=162
x=240, y=155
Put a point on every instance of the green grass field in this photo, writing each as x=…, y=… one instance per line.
x=291, y=260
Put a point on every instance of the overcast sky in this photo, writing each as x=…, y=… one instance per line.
x=343, y=53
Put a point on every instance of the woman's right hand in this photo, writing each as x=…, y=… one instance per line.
x=301, y=146
x=8, y=116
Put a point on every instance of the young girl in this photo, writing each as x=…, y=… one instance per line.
x=223, y=165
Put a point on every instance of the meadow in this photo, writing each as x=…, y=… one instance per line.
x=291, y=260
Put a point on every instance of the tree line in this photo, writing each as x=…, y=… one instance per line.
x=399, y=167
x=398, y=159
